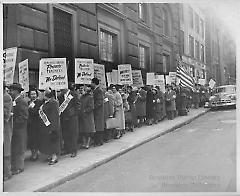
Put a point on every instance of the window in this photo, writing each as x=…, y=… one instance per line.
x=165, y=23
x=197, y=49
x=144, y=57
x=202, y=28
x=142, y=11
x=196, y=23
x=191, y=17
x=192, y=71
x=107, y=46
x=202, y=53
x=182, y=41
x=181, y=12
x=166, y=63
x=62, y=33
x=191, y=46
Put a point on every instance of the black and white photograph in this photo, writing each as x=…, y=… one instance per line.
x=119, y=97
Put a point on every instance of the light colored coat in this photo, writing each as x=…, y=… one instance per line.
x=119, y=112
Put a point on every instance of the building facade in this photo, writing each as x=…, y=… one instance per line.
x=143, y=35
x=192, y=41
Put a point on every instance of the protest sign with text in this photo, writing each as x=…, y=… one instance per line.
x=160, y=81
x=212, y=83
x=24, y=75
x=114, y=77
x=9, y=62
x=172, y=77
x=53, y=73
x=125, y=74
x=84, y=71
x=99, y=73
x=109, y=78
x=137, y=78
x=150, y=79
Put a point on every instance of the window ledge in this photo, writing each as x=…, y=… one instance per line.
x=142, y=25
x=112, y=10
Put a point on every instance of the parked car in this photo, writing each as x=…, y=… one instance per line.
x=223, y=96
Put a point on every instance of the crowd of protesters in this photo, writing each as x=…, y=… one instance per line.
x=59, y=123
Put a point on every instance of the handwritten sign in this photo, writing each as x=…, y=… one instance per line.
x=9, y=62
x=99, y=73
x=202, y=81
x=150, y=79
x=137, y=78
x=84, y=71
x=53, y=73
x=168, y=80
x=125, y=74
x=24, y=75
x=172, y=77
x=160, y=81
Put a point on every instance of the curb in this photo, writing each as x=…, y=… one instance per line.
x=99, y=163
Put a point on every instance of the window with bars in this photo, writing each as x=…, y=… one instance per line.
x=191, y=46
x=191, y=17
x=166, y=30
x=107, y=48
x=182, y=41
x=196, y=22
x=166, y=63
x=197, y=49
x=202, y=27
x=202, y=53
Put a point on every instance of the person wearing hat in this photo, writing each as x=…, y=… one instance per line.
x=68, y=102
x=141, y=105
x=196, y=96
x=19, y=136
x=98, y=97
x=49, y=127
x=170, y=97
x=7, y=133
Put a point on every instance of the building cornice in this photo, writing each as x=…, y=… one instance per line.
x=145, y=28
x=112, y=11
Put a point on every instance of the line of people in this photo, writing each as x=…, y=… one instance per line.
x=59, y=123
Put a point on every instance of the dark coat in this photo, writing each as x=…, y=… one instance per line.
x=196, y=96
x=86, y=116
x=50, y=135
x=98, y=97
x=131, y=98
x=20, y=117
x=149, y=105
x=69, y=123
x=8, y=124
x=141, y=103
x=170, y=98
x=33, y=124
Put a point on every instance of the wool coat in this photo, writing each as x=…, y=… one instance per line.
x=50, y=135
x=170, y=99
x=131, y=98
x=98, y=97
x=69, y=122
x=8, y=124
x=141, y=103
x=86, y=116
x=150, y=105
x=119, y=112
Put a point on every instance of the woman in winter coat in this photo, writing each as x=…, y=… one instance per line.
x=86, y=116
x=50, y=127
x=150, y=106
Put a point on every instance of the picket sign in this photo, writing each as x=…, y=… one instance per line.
x=172, y=77
x=160, y=81
x=212, y=83
x=137, y=78
x=150, y=78
x=84, y=71
x=114, y=76
x=125, y=74
x=53, y=73
x=99, y=73
x=24, y=75
x=9, y=62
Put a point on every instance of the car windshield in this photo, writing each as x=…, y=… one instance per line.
x=226, y=89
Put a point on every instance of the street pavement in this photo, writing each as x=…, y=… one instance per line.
x=198, y=157
x=39, y=176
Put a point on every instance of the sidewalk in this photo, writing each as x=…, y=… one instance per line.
x=39, y=176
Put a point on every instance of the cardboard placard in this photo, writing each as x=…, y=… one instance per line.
x=137, y=78
x=202, y=81
x=84, y=71
x=212, y=83
x=99, y=73
x=109, y=78
x=150, y=79
x=24, y=75
x=172, y=77
x=9, y=62
x=114, y=76
x=53, y=73
x=160, y=81
x=168, y=80
x=125, y=74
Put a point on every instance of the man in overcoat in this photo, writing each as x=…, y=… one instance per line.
x=20, y=117
x=98, y=97
x=68, y=105
x=7, y=133
x=170, y=97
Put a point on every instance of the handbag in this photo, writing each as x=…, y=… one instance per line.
x=112, y=123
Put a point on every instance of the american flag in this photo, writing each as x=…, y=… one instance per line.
x=186, y=80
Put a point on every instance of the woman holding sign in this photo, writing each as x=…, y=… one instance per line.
x=50, y=127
